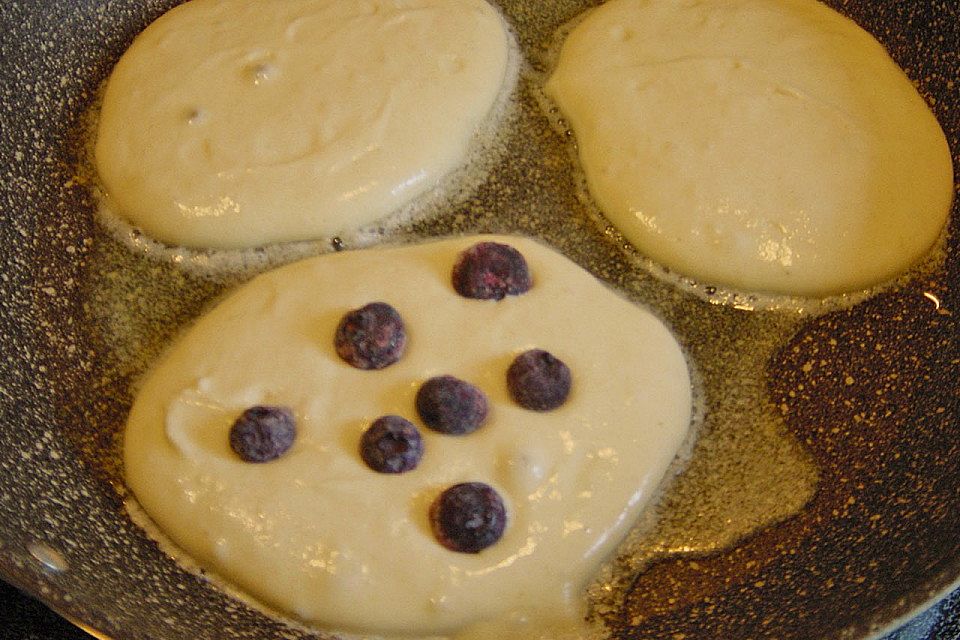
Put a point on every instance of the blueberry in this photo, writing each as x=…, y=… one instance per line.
x=538, y=380
x=371, y=337
x=391, y=445
x=468, y=517
x=262, y=434
x=490, y=271
x=450, y=405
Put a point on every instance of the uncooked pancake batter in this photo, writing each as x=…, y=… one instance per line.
x=236, y=123
x=766, y=145
x=320, y=535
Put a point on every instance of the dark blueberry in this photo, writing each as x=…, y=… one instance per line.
x=468, y=517
x=371, y=337
x=262, y=434
x=490, y=271
x=537, y=380
x=450, y=405
x=391, y=445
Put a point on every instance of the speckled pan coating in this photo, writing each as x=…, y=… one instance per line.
x=863, y=402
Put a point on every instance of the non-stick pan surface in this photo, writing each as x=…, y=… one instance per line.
x=854, y=413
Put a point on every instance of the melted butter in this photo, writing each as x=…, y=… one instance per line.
x=746, y=471
x=318, y=535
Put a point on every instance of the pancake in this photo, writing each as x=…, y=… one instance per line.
x=761, y=145
x=317, y=534
x=239, y=123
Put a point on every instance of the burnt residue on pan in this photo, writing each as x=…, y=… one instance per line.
x=822, y=497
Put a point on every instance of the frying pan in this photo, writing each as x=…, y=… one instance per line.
x=823, y=496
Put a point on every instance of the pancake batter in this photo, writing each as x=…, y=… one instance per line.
x=237, y=123
x=318, y=534
x=764, y=145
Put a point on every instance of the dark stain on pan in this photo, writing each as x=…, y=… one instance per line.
x=871, y=392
